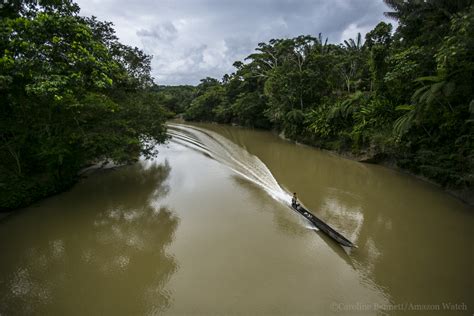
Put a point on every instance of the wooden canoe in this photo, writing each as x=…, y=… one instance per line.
x=328, y=230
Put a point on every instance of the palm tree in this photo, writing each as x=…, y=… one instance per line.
x=324, y=48
x=354, y=45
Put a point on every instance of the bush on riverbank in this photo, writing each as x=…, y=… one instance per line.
x=405, y=96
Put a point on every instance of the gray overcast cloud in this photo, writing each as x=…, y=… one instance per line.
x=193, y=39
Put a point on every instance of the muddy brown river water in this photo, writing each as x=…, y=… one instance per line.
x=204, y=229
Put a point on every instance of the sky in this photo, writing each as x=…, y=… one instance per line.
x=194, y=39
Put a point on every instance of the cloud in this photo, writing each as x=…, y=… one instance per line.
x=165, y=31
x=192, y=39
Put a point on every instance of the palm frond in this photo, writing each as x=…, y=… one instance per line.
x=404, y=123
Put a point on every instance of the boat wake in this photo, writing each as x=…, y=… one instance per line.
x=247, y=166
x=236, y=158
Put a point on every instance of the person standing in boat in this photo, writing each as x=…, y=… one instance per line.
x=294, y=201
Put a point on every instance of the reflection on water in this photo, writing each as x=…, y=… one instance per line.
x=107, y=253
x=346, y=219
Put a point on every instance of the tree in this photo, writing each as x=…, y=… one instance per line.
x=210, y=95
x=378, y=43
x=351, y=63
x=70, y=94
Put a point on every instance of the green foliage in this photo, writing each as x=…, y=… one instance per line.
x=319, y=120
x=404, y=66
x=248, y=110
x=205, y=107
x=70, y=94
x=174, y=98
x=378, y=43
x=440, y=141
x=404, y=122
x=372, y=124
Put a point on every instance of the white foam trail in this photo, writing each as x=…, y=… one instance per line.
x=236, y=158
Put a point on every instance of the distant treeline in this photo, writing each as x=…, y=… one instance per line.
x=70, y=95
x=406, y=96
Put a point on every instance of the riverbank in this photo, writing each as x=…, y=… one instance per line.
x=24, y=191
x=466, y=195
x=39, y=188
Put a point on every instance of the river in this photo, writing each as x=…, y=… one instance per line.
x=204, y=229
